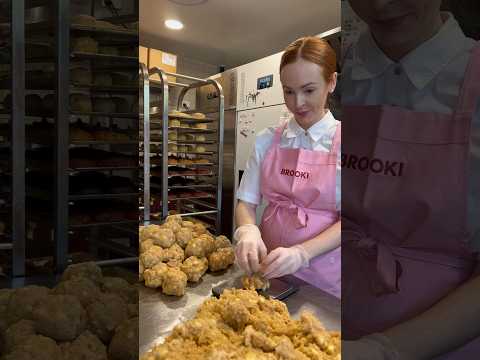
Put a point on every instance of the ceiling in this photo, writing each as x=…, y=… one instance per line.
x=234, y=32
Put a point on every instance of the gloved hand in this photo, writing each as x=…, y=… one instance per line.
x=284, y=261
x=372, y=347
x=250, y=249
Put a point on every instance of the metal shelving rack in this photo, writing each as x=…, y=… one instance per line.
x=114, y=62
x=61, y=56
x=155, y=118
x=14, y=241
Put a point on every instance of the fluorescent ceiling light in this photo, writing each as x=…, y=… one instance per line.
x=173, y=24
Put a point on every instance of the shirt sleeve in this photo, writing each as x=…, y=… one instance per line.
x=249, y=189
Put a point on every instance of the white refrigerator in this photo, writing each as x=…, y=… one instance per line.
x=260, y=104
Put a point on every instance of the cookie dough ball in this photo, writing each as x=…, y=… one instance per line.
x=105, y=315
x=183, y=236
x=146, y=232
x=17, y=333
x=175, y=253
x=195, y=247
x=188, y=224
x=174, y=123
x=146, y=245
x=5, y=295
x=164, y=237
x=221, y=259
x=88, y=270
x=124, y=345
x=172, y=225
x=174, y=218
x=199, y=229
x=121, y=287
x=152, y=257
x=174, y=282
x=200, y=116
x=60, y=317
x=23, y=301
x=201, y=126
x=36, y=347
x=175, y=263
x=81, y=288
x=154, y=277
x=209, y=242
x=222, y=242
x=194, y=268
x=200, y=246
x=86, y=346
x=141, y=269
x=255, y=282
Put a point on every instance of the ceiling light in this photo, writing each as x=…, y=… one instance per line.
x=173, y=24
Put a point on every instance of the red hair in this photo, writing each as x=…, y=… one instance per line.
x=313, y=49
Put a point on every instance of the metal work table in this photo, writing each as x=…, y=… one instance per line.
x=159, y=313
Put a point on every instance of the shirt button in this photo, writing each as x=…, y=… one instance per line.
x=306, y=133
x=397, y=70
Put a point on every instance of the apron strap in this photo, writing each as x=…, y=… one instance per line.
x=278, y=133
x=470, y=91
x=337, y=139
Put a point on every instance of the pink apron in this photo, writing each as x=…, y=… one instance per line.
x=299, y=186
x=404, y=224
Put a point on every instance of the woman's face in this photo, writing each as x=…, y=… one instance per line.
x=305, y=91
x=398, y=22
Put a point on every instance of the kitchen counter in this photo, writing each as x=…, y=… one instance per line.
x=159, y=313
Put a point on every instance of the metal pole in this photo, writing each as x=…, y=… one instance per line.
x=18, y=136
x=164, y=84
x=221, y=113
x=62, y=60
x=146, y=142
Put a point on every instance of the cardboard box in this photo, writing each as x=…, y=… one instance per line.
x=162, y=60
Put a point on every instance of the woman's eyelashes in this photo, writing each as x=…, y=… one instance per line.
x=306, y=91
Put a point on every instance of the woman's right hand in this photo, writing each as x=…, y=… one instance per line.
x=250, y=249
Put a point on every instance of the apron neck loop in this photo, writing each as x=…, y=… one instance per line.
x=337, y=139
x=470, y=91
x=278, y=133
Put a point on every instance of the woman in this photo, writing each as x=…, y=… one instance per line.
x=410, y=87
x=296, y=168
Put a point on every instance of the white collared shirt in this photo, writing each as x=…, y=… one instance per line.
x=319, y=137
x=427, y=79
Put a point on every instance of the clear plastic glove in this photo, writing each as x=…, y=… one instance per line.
x=372, y=347
x=250, y=249
x=284, y=261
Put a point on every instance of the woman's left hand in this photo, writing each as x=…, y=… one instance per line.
x=284, y=261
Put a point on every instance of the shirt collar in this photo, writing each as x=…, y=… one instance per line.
x=316, y=131
x=430, y=58
x=421, y=65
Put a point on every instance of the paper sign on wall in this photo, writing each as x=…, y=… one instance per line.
x=169, y=59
